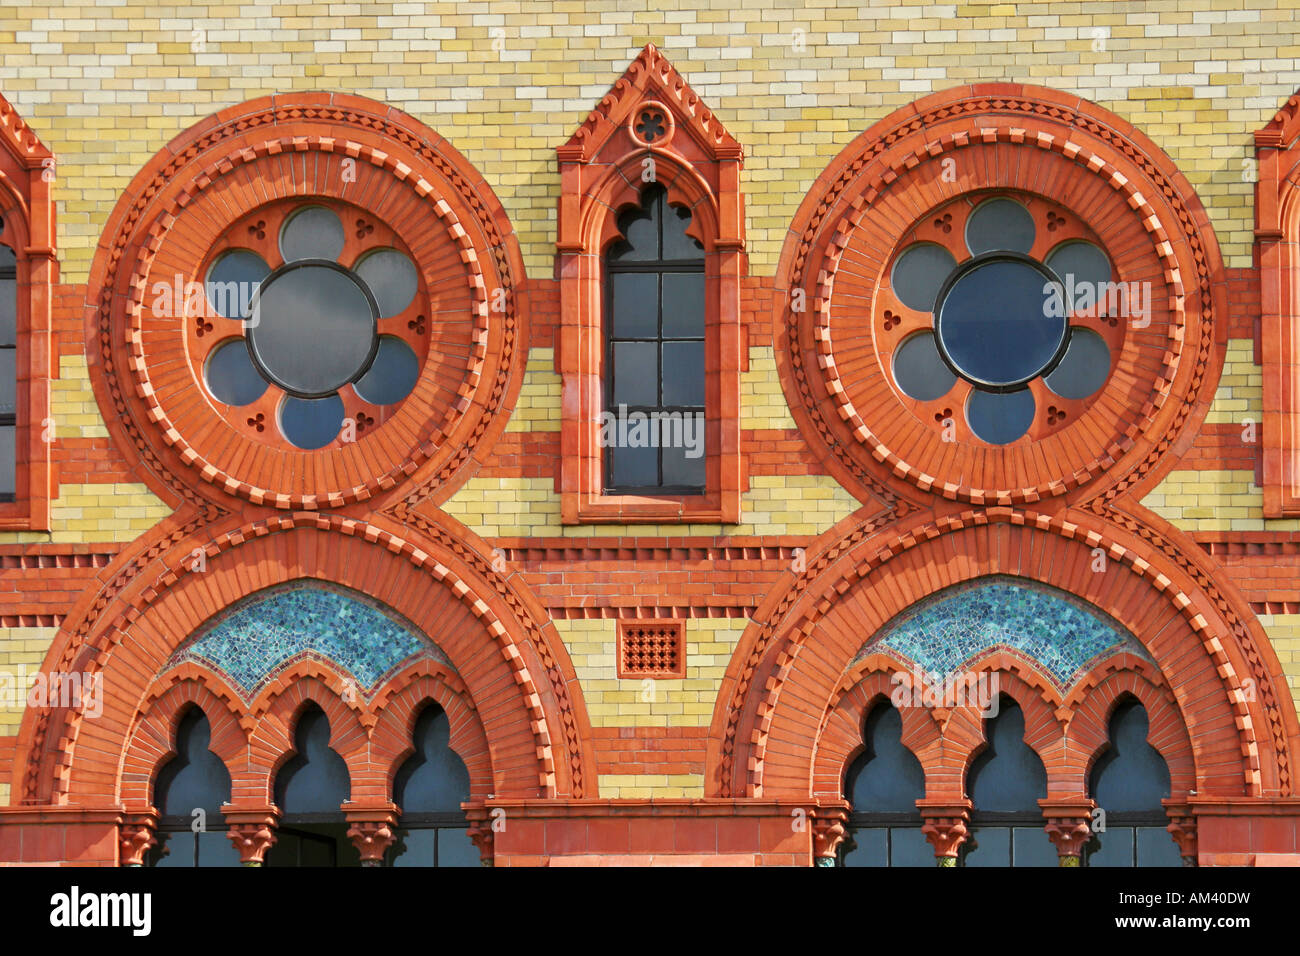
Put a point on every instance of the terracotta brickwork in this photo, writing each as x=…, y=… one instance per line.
x=495, y=146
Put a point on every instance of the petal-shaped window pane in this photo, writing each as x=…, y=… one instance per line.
x=232, y=282
x=683, y=373
x=997, y=324
x=678, y=245
x=919, y=273
x=311, y=422
x=313, y=328
x=391, y=278
x=1084, y=367
x=634, y=301
x=232, y=378
x=636, y=373
x=392, y=375
x=1078, y=264
x=919, y=370
x=683, y=305
x=1000, y=225
x=312, y=233
x=999, y=418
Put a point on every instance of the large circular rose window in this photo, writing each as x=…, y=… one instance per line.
x=312, y=331
x=1004, y=320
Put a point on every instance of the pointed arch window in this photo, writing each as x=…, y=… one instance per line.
x=189, y=792
x=654, y=353
x=650, y=258
x=310, y=790
x=430, y=787
x=883, y=784
x=1128, y=783
x=28, y=272
x=1005, y=783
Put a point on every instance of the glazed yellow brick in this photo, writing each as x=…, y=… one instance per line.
x=681, y=702
x=1240, y=394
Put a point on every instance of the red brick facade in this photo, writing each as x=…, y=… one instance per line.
x=789, y=713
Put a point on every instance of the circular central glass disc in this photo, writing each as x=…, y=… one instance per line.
x=1001, y=321
x=313, y=328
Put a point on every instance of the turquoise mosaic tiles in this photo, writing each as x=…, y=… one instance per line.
x=948, y=630
x=256, y=638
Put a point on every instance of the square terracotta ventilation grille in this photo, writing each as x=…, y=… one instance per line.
x=651, y=648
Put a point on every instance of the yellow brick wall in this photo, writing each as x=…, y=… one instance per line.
x=688, y=702
x=1284, y=634
x=538, y=407
x=774, y=504
x=107, y=86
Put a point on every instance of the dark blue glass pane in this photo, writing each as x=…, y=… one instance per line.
x=1008, y=776
x=8, y=260
x=315, y=780
x=910, y=848
x=174, y=850
x=999, y=418
x=215, y=849
x=1112, y=848
x=871, y=849
x=8, y=381
x=920, y=273
x=634, y=302
x=232, y=281
x=683, y=305
x=634, y=467
x=195, y=778
x=678, y=245
x=992, y=847
x=1084, y=367
x=433, y=779
x=232, y=378
x=886, y=776
x=1033, y=848
x=392, y=375
x=996, y=322
x=413, y=847
x=681, y=470
x=391, y=278
x=8, y=446
x=636, y=373
x=311, y=422
x=919, y=370
x=8, y=310
x=1130, y=776
x=1155, y=847
x=1000, y=225
x=455, y=848
x=683, y=371
x=313, y=329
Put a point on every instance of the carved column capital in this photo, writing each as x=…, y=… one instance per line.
x=371, y=830
x=829, y=828
x=946, y=827
x=136, y=834
x=1182, y=827
x=1069, y=826
x=481, y=830
x=252, y=831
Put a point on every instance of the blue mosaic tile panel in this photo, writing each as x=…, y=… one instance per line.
x=254, y=640
x=948, y=630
